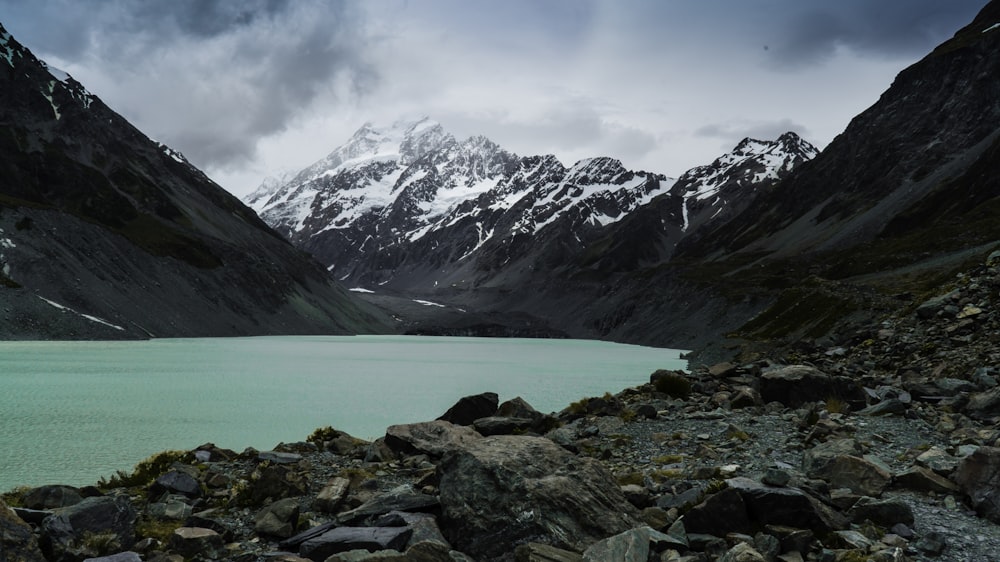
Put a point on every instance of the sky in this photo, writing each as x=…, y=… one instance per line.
x=247, y=89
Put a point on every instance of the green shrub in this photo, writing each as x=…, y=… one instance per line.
x=146, y=471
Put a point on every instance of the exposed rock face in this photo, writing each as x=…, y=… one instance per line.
x=17, y=544
x=979, y=477
x=65, y=534
x=434, y=438
x=107, y=234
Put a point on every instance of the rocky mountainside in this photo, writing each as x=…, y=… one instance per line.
x=105, y=233
x=409, y=210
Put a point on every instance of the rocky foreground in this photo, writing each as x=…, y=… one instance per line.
x=879, y=444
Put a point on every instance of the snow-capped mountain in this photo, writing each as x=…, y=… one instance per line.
x=412, y=206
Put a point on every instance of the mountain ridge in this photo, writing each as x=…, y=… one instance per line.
x=99, y=221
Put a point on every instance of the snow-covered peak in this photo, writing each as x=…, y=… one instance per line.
x=750, y=163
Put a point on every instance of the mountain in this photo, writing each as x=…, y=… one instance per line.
x=410, y=210
x=105, y=233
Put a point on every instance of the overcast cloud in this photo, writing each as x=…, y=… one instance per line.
x=249, y=88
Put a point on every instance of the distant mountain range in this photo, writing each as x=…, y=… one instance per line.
x=410, y=207
x=107, y=234
x=771, y=242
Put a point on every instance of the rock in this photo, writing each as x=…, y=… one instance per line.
x=851, y=540
x=838, y=462
x=923, y=480
x=470, y=408
x=931, y=307
x=538, y=552
x=172, y=507
x=344, y=539
x=293, y=543
x=127, y=556
x=776, y=477
x=682, y=500
x=978, y=476
x=401, y=498
x=64, y=534
x=52, y=497
x=938, y=460
x=277, y=481
x=518, y=408
x=886, y=512
x=885, y=408
x=984, y=405
x=742, y=552
x=634, y=545
x=279, y=519
x=279, y=457
x=433, y=439
x=504, y=490
x=190, y=542
x=744, y=397
x=17, y=542
x=636, y=495
x=329, y=498
x=795, y=385
x=721, y=513
x=423, y=525
x=724, y=369
x=499, y=425
x=768, y=505
x=931, y=543
x=175, y=482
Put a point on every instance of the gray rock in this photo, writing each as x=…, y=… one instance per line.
x=424, y=526
x=127, y=556
x=776, y=477
x=401, y=498
x=277, y=481
x=329, y=498
x=634, y=545
x=344, y=539
x=279, y=457
x=931, y=307
x=433, y=439
x=742, y=552
x=932, y=543
x=279, y=519
x=892, y=406
x=499, y=425
x=538, y=552
x=176, y=482
x=840, y=463
x=470, y=408
x=795, y=385
x=17, y=542
x=886, y=513
x=172, y=507
x=983, y=405
x=978, y=476
x=504, y=490
x=721, y=513
x=923, y=480
x=769, y=505
x=51, y=497
x=63, y=533
x=197, y=541
x=938, y=460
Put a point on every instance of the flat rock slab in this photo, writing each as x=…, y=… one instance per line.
x=403, y=498
x=344, y=539
x=434, y=439
x=770, y=505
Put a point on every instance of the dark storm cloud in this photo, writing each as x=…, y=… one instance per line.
x=209, y=77
x=813, y=31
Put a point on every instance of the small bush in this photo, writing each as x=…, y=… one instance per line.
x=668, y=459
x=15, y=497
x=836, y=406
x=635, y=478
x=321, y=435
x=146, y=471
x=672, y=384
x=579, y=407
x=159, y=530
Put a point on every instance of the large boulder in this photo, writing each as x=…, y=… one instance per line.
x=794, y=385
x=344, y=539
x=772, y=505
x=400, y=498
x=721, y=513
x=470, y=408
x=94, y=527
x=501, y=491
x=278, y=519
x=434, y=439
x=978, y=476
x=635, y=545
x=17, y=544
x=841, y=463
x=51, y=497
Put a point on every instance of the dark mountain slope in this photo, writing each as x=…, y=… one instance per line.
x=939, y=117
x=105, y=233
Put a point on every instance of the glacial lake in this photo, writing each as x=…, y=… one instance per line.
x=73, y=412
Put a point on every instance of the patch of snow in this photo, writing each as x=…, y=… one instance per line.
x=428, y=303
x=172, y=153
x=58, y=74
x=360, y=290
x=81, y=315
x=992, y=27
x=55, y=109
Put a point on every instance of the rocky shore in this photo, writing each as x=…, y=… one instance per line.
x=879, y=443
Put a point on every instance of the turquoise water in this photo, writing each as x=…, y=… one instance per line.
x=73, y=412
